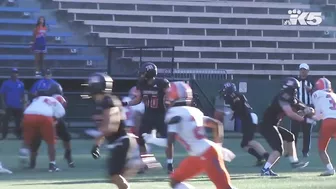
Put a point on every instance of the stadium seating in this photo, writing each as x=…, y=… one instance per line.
x=16, y=25
x=239, y=37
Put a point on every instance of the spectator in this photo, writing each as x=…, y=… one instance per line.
x=12, y=92
x=42, y=83
x=304, y=94
x=39, y=44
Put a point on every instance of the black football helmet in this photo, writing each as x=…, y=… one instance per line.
x=228, y=88
x=100, y=83
x=148, y=70
x=291, y=85
x=50, y=90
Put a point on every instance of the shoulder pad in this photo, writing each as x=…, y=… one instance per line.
x=285, y=96
x=175, y=120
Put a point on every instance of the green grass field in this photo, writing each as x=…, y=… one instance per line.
x=90, y=174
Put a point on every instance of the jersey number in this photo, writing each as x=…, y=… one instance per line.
x=332, y=102
x=152, y=102
x=49, y=102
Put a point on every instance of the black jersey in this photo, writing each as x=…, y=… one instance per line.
x=153, y=94
x=109, y=101
x=239, y=105
x=274, y=113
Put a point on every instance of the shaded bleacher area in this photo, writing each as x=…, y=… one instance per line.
x=66, y=60
x=241, y=37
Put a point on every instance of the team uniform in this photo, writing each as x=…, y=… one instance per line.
x=39, y=45
x=38, y=122
x=204, y=155
x=61, y=128
x=270, y=125
x=249, y=120
x=39, y=119
x=152, y=97
x=324, y=101
x=121, y=145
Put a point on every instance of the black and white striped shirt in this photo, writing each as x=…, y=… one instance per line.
x=303, y=94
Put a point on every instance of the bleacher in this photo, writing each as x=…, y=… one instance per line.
x=16, y=27
x=233, y=37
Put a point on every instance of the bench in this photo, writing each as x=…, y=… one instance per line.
x=253, y=72
x=235, y=61
x=152, y=14
x=23, y=21
x=52, y=57
x=211, y=38
x=19, y=9
x=207, y=26
x=29, y=33
x=194, y=3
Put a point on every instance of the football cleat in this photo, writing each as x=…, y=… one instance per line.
x=299, y=164
x=260, y=162
x=68, y=158
x=268, y=172
x=328, y=172
x=6, y=171
x=53, y=168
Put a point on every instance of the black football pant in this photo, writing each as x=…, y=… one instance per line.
x=306, y=129
x=152, y=121
x=275, y=135
x=17, y=113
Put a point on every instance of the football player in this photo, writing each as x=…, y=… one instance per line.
x=151, y=91
x=124, y=156
x=187, y=125
x=324, y=100
x=249, y=120
x=278, y=137
x=39, y=120
x=61, y=128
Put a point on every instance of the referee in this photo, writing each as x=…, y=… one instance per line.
x=304, y=95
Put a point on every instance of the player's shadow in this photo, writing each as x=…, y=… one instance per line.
x=136, y=180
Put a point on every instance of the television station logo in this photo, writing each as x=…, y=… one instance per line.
x=298, y=17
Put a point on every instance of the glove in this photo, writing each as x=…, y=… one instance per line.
x=124, y=103
x=95, y=152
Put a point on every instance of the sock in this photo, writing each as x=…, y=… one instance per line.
x=53, y=162
x=254, y=153
x=329, y=166
x=267, y=165
x=292, y=159
x=169, y=161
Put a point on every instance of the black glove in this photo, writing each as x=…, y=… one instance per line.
x=95, y=152
x=124, y=103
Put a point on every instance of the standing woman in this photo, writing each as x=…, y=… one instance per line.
x=39, y=44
